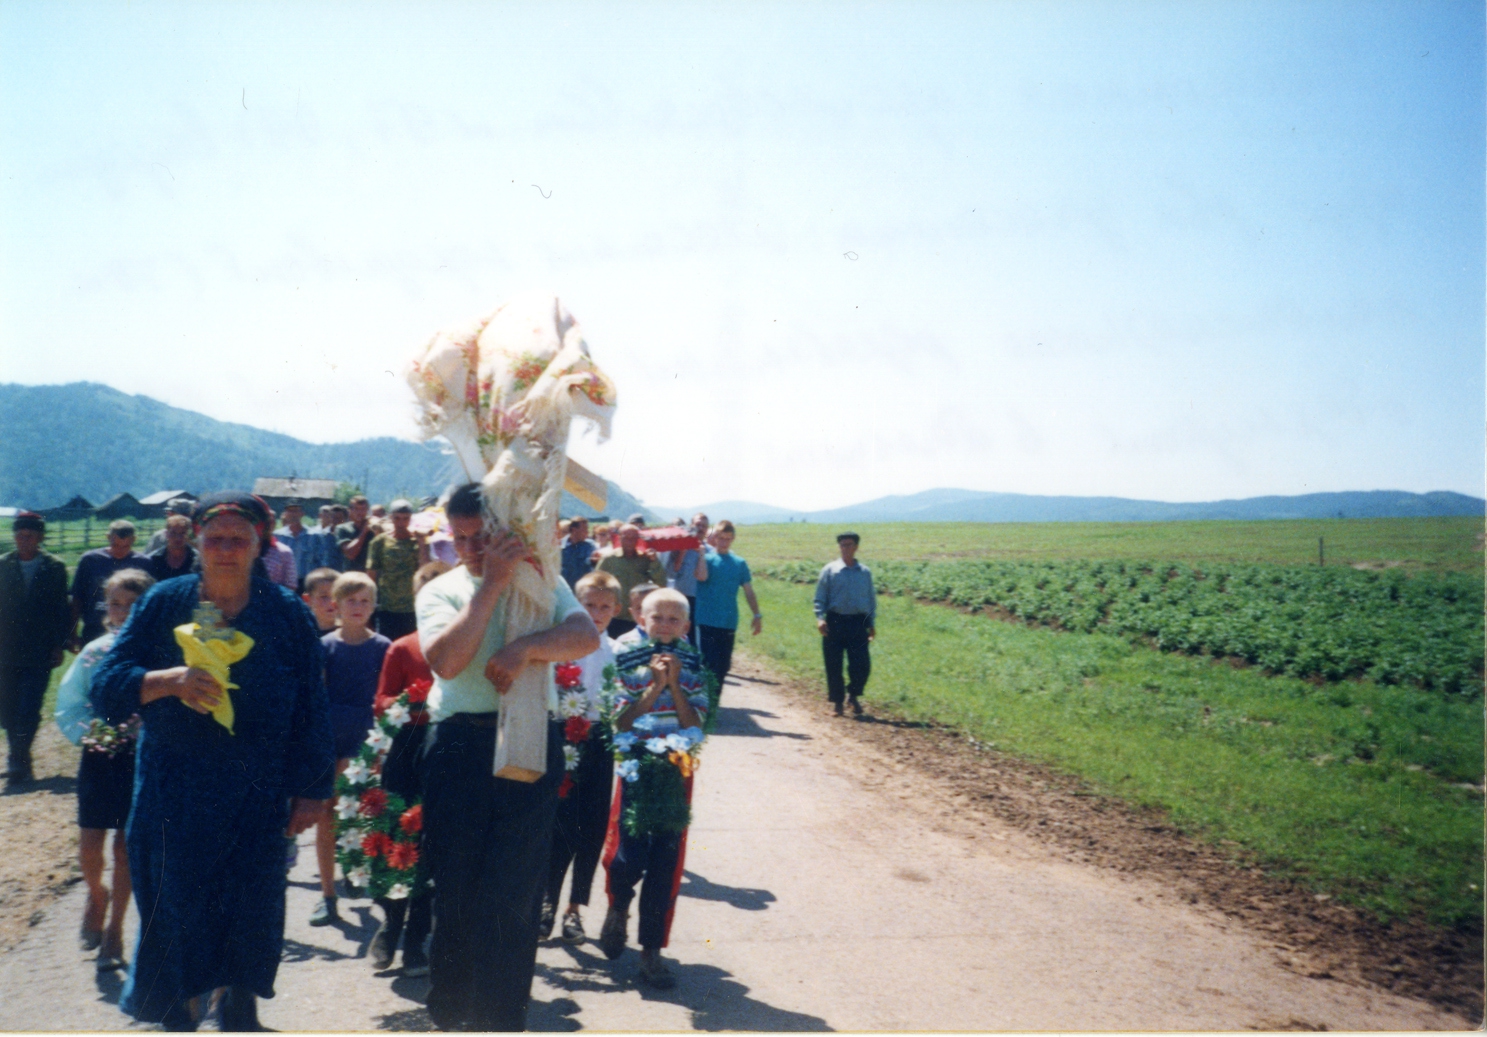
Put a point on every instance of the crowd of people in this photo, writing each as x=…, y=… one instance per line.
x=227, y=681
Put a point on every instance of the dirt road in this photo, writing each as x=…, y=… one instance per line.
x=827, y=888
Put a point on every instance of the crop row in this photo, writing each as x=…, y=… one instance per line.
x=1332, y=623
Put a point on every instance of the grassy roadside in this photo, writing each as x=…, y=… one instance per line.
x=1354, y=790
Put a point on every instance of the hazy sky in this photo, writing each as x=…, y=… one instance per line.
x=1179, y=251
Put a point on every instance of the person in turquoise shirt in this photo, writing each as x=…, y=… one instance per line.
x=717, y=600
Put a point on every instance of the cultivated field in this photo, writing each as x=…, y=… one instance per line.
x=1364, y=790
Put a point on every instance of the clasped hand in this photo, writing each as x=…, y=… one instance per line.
x=195, y=687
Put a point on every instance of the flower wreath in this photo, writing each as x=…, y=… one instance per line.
x=656, y=769
x=377, y=831
x=111, y=740
x=573, y=704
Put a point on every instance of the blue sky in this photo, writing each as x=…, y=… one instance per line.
x=1178, y=251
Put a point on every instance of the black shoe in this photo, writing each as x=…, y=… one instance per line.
x=549, y=916
x=653, y=971
x=382, y=948
x=240, y=1011
x=612, y=936
x=325, y=912
x=415, y=962
x=856, y=707
x=572, y=928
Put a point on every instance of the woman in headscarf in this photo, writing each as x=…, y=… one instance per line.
x=227, y=763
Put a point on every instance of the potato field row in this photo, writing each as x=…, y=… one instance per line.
x=1333, y=623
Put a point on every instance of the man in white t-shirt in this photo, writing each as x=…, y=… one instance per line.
x=487, y=838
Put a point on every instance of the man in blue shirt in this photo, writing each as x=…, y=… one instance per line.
x=578, y=551
x=846, y=616
x=719, y=580
x=307, y=547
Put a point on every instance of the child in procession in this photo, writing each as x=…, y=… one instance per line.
x=105, y=778
x=630, y=638
x=317, y=595
x=664, y=691
x=583, y=809
x=404, y=670
x=353, y=662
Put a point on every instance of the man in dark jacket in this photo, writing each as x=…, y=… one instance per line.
x=35, y=621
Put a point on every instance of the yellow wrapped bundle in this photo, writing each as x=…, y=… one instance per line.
x=214, y=650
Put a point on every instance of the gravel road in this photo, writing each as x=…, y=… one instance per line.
x=827, y=888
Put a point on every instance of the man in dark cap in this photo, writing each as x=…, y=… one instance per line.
x=846, y=616
x=35, y=620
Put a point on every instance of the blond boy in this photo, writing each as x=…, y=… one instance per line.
x=353, y=662
x=583, y=813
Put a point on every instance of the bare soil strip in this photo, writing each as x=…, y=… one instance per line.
x=1312, y=936
x=39, y=862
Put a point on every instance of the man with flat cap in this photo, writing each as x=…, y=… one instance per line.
x=35, y=621
x=846, y=615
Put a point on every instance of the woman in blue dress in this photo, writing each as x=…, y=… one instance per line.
x=212, y=804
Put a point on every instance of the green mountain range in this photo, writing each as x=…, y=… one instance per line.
x=57, y=441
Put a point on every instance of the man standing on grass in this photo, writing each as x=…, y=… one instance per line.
x=846, y=616
x=35, y=621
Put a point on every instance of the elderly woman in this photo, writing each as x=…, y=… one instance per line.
x=216, y=791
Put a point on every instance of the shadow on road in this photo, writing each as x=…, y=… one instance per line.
x=110, y=986
x=699, y=888
x=742, y=723
x=56, y=785
x=716, y=1000
x=868, y=718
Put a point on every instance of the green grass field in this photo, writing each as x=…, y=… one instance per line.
x=1436, y=544
x=1368, y=793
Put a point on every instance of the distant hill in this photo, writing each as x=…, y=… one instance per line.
x=60, y=440
x=951, y=505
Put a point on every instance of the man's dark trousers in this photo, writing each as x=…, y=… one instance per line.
x=717, y=651
x=845, y=635
x=22, y=689
x=487, y=841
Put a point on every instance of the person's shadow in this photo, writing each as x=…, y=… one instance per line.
x=699, y=888
x=715, y=999
x=744, y=723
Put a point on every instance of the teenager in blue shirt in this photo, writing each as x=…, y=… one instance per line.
x=717, y=601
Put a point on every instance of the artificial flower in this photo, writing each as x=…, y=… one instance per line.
x=656, y=745
x=574, y=704
x=378, y=740
x=397, y=715
x=402, y=856
x=644, y=722
x=357, y=772
x=566, y=787
x=348, y=807
x=678, y=742
x=350, y=839
x=576, y=729
x=629, y=770
x=398, y=891
x=623, y=741
x=412, y=819
x=373, y=802
x=683, y=762
x=359, y=876
x=570, y=757
x=567, y=674
x=375, y=844
x=418, y=691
